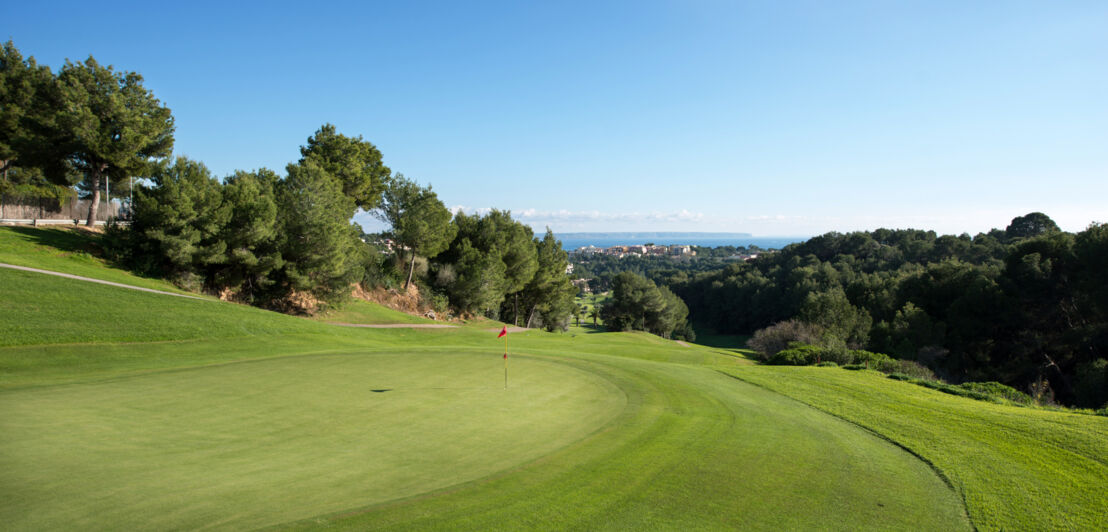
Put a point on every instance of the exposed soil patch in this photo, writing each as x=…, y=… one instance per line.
x=407, y=301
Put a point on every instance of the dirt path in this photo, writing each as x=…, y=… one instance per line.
x=682, y=343
x=91, y=280
x=512, y=329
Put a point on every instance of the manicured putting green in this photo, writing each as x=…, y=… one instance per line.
x=259, y=443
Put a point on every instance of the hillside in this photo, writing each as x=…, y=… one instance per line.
x=127, y=409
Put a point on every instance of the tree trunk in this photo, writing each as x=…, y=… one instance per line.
x=94, y=201
x=515, y=310
x=531, y=316
x=411, y=270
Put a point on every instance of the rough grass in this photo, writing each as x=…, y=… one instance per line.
x=1017, y=468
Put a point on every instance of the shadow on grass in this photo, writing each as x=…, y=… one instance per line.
x=75, y=240
x=587, y=328
x=64, y=240
x=707, y=336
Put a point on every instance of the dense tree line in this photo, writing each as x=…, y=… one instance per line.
x=264, y=239
x=278, y=241
x=1026, y=306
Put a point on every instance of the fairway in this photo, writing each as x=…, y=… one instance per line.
x=258, y=443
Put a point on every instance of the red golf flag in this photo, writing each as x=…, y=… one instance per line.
x=503, y=331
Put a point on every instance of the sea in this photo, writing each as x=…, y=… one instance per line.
x=572, y=241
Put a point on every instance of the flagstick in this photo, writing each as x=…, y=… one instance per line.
x=505, y=362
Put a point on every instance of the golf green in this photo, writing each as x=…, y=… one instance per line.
x=257, y=443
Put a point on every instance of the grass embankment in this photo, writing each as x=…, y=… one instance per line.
x=1018, y=468
x=67, y=250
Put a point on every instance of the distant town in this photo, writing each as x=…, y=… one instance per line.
x=674, y=251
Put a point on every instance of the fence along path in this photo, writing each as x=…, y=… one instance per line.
x=44, y=210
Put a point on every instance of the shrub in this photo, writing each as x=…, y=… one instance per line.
x=886, y=366
x=827, y=363
x=777, y=337
x=838, y=354
x=997, y=390
x=864, y=357
x=797, y=354
x=914, y=369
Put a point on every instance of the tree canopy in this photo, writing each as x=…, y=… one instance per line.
x=354, y=162
x=113, y=125
x=419, y=221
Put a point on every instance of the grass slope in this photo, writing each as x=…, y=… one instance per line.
x=72, y=251
x=1018, y=468
x=111, y=314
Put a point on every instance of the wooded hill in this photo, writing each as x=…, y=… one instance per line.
x=1026, y=306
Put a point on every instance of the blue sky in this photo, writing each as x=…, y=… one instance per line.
x=773, y=118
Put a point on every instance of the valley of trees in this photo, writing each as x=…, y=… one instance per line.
x=1026, y=306
x=284, y=242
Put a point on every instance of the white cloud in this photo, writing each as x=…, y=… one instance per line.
x=480, y=211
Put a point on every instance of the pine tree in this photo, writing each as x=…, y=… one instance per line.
x=113, y=125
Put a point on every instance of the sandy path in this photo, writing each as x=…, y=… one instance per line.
x=682, y=343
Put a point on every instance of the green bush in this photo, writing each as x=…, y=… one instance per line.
x=796, y=355
x=997, y=390
x=863, y=357
x=914, y=369
x=827, y=364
